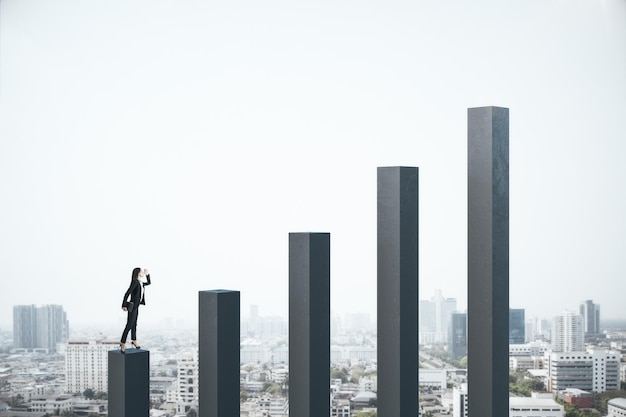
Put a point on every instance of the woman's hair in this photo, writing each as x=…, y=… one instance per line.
x=135, y=273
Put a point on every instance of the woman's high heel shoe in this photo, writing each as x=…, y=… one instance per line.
x=135, y=344
x=123, y=347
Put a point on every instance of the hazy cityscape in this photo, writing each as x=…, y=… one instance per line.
x=192, y=138
x=56, y=369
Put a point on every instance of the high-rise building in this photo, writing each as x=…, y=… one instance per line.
x=457, y=339
x=531, y=329
x=24, y=327
x=187, y=382
x=86, y=365
x=517, y=326
x=434, y=318
x=459, y=401
x=606, y=369
x=39, y=327
x=591, y=317
x=568, y=333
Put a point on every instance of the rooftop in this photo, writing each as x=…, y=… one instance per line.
x=619, y=402
x=528, y=402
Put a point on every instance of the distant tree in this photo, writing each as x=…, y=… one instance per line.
x=600, y=400
x=337, y=373
x=89, y=394
x=357, y=372
x=101, y=396
x=463, y=362
x=367, y=414
x=16, y=400
x=271, y=388
x=192, y=413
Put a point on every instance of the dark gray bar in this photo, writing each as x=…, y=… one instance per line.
x=129, y=383
x=488, y=262
x=309, y=324
x=397, y=291
x=218, y=353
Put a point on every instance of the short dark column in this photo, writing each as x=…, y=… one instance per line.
x=309, y=324
x=397, y=291
x=488, y=262
x=129, y=383
x=218, y=353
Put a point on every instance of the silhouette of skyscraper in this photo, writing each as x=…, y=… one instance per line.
x=488, y=262
x=457, y=338
x=39, y=327
x=517, y=326
x=591, y=317
x=397, y=291
x=434, y=315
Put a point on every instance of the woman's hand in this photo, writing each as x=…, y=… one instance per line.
x=124, y=308
x=145, y=271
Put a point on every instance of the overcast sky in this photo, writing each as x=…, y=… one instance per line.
x=190, y=137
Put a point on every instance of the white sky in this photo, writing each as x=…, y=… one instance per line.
x=191, y=137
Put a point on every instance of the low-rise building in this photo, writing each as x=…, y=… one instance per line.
x=52, y=405
x=275, y=406
x=84, y=407
x=368, y=383
x=14, y=413
x=432, y=378
x=159, y=386
x=337, y=410
x=534, y=407
x=529, y=349
x=524, y=363
x=616, y=407
x=577, y=397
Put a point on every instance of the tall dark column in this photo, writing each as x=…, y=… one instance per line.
x=488, y=262
x=218, y=353
x=397, y=291
x=309, y=324
x=129, y=383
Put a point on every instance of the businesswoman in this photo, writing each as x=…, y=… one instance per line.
x=136, y=291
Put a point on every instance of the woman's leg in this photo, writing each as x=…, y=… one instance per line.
x=131, y=324
x=133, y=333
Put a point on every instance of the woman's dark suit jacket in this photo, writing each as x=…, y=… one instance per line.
x=135, y=293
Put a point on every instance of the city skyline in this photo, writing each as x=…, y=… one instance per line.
x=193, y=140
x=254, y=321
